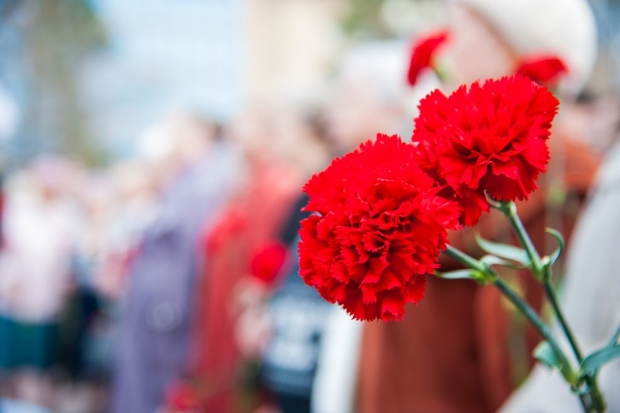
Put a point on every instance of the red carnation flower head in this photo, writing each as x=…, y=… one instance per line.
x=422, y=54
x=545, y=70
x=267, y=262
x=180, y=396
x=489, y=137
x=377, y=232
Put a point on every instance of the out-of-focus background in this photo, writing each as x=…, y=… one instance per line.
x=152, y=154
x=85, y=78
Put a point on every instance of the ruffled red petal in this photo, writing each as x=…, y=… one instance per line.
x=379, y=227
x=489, y=137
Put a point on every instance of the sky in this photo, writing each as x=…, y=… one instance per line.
x=163, y=55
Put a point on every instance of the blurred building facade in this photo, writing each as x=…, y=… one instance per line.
x=290, y=45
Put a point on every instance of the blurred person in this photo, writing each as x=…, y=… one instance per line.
x=124, y=223
x=152, y=351
x=253, y=218
x=592, y=120
x=42, y=224
x=96, y=201
x=452, y=352
x=78, y=386
x=297, y=316
x=591, y=295
x=118, y=205
x=123, y=227
x=283, y=322
x=370, y=96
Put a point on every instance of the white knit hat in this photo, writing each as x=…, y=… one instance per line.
x=564, y=28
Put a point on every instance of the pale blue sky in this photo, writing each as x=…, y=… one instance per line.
x=164, y=54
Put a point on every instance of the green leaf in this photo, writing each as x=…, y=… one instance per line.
x=545, y=354
x=490, y=260
x=553, y=257
x=598, y=358
x=459, y=274
x=506, y=251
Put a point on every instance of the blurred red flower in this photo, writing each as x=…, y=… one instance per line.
x=545, y=70
x=267, y=262
x=422, y=54
x=377, y=232
x=489, y=137
x=226, y=227
x=180, y=397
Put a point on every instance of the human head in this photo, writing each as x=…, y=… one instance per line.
x=302, y=143
x=489, y=37
x=370, y=95
x=251, y=131
x=56, y=176
x=176, y=142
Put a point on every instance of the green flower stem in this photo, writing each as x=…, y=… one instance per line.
x=528, y=312
x=466, y=260
x=565, y=368
x=562, y=320
x=518, y=302
x=509, y=209
x=591, y=399
x=543, y=272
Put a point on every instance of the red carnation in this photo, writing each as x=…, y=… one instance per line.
x=491, y=137
x=227, y=226
x=180, y=397
x=377, y=232
x=268, y=261
x=545, y=70
x=422, y=54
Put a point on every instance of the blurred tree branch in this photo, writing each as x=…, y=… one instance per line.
x=56, y=37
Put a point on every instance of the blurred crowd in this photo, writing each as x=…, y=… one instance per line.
x=93, y=260
x=168, y=282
